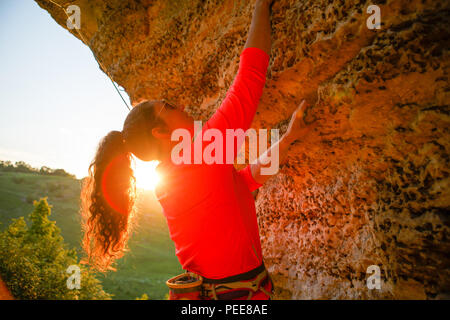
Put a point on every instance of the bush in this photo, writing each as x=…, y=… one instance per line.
x=143, y=297
x=29, y=199
x=52, y=187
x=18, y=180
x=59, y=194
x=34, y=260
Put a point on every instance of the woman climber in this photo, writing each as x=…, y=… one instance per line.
x=209, y=208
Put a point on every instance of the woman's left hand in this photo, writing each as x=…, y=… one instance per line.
x=297, y=127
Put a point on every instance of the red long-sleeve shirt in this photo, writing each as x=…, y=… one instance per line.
x=209, y=209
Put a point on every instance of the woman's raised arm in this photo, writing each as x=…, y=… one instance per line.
x=259, y=33
x=239, y=106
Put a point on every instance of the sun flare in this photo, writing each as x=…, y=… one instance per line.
x=146, y=175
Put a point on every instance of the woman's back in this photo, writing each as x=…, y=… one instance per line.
x=211, y=216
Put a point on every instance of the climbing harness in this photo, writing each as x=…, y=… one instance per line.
x=190, y=286
x=186, y=286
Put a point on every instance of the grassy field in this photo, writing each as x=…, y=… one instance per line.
x=144, y=269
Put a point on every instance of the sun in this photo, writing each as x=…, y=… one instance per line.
x=146, y=175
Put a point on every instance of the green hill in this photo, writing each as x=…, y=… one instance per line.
x=144, y=269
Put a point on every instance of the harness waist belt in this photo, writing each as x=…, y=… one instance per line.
x=239, y=277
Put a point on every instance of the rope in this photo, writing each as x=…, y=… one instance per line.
x=95, y=57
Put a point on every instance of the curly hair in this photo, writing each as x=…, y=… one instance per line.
x=108, y=193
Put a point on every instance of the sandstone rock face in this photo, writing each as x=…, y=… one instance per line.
x=4, y=291
x=370, y=186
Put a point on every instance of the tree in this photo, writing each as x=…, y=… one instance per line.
x=45, y=170
x=22, y=166
x=5, y=164
x=34, y=260
x=62, y=173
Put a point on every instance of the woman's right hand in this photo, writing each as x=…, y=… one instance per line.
x=268, y=2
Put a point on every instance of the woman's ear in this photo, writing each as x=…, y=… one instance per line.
x=161, y=133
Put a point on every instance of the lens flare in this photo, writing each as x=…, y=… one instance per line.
x=147, y=177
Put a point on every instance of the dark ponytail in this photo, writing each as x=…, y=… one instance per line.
x=107, y=202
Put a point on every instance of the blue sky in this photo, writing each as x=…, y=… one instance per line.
x=56, y=103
